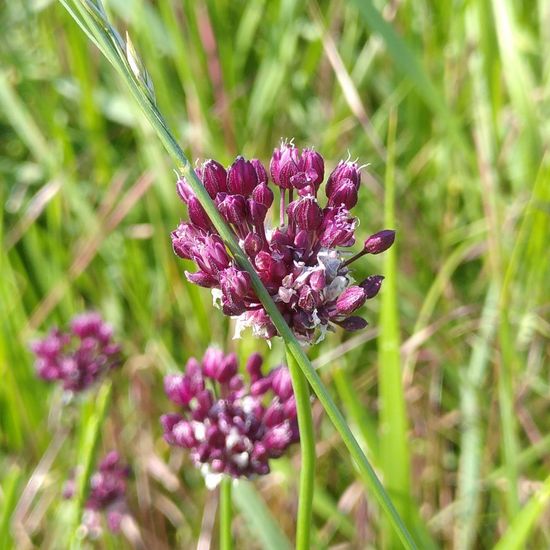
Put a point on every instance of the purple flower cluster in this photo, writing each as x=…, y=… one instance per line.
x=231, y=428
x=107, y=494
x=300, y=261
x=78, y=357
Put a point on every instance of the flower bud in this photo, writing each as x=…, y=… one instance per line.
x=197, y=214
x=277, y=439
x=204, y=402
x=178, y=389
x=351, y=299
x=254, y=366
x=260, y=386
x=263, y=194
x=214, y=178
x=343, y=170
x=183, y=435
x=313, y=165
x=168, y=421
x=289, y=407
x=282, y=383
x=344, y=192
x=241, y=177
x=379, y=242
x=372, y=285
x=184, y=190
x=202, y=279
x=232, y=208
x=261, y=172
x=284, y=165
x=109, y=462
x=352, y=323
x=211, y=360
x=184, y=239
x=258, y=212
x=308, y=214
x=274, y=414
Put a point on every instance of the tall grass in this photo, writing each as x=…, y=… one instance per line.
x=87, y=204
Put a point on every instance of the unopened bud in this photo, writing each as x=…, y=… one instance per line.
x=379, y=242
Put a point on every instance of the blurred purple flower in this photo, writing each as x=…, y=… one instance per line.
x=299, y=262
x=107, y=494
x=229, y=427
x=78, y=357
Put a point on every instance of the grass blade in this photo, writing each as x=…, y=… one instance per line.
x=469, y=476
x=517, y=535
x=394, y=444
x=259, y=517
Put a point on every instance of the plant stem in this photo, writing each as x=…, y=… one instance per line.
x=307, y=451
x=226, y=538
x=89, y=14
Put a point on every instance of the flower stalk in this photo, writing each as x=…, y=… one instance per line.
x=307, y=452
x=91, y=17
x=225, y=510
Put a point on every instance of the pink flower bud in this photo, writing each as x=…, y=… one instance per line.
x=241, y=177
x=379, y=242
x=197, y=214
x=232, y=208
x=351, y=299
x=307, y=214
x=214, y=178
x=313, y=165
x=263, y=194
x=353, y=323
x=254, y=366
x=372, y=285
x=344, y=192
x=345, y=169
x=261, y=172
x=282, y=384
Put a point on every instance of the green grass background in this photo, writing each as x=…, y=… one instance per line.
x=448, y=391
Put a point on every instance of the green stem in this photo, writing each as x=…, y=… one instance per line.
x=226, y=538
x=94, y=23
x=307, y=450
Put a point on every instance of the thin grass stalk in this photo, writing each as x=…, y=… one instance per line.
x=393, y=423
x=226, y=514
x=307, y=454
x=91, y=17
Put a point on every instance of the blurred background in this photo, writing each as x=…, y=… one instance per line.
x=447, y=390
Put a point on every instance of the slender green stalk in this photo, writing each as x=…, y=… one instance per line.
x=93, y=20
x=517, y=534
x=307, y=450
x=393, y=423
x=226, y=538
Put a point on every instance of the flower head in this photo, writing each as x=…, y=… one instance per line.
x=107, y=494
x=230, y=427
x=301, y=261
x=79, y=356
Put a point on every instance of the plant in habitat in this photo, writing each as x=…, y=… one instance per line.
x=107, y=494
x=80, y=356
x=306, y=225
x=233, y=429
x=300, y=262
